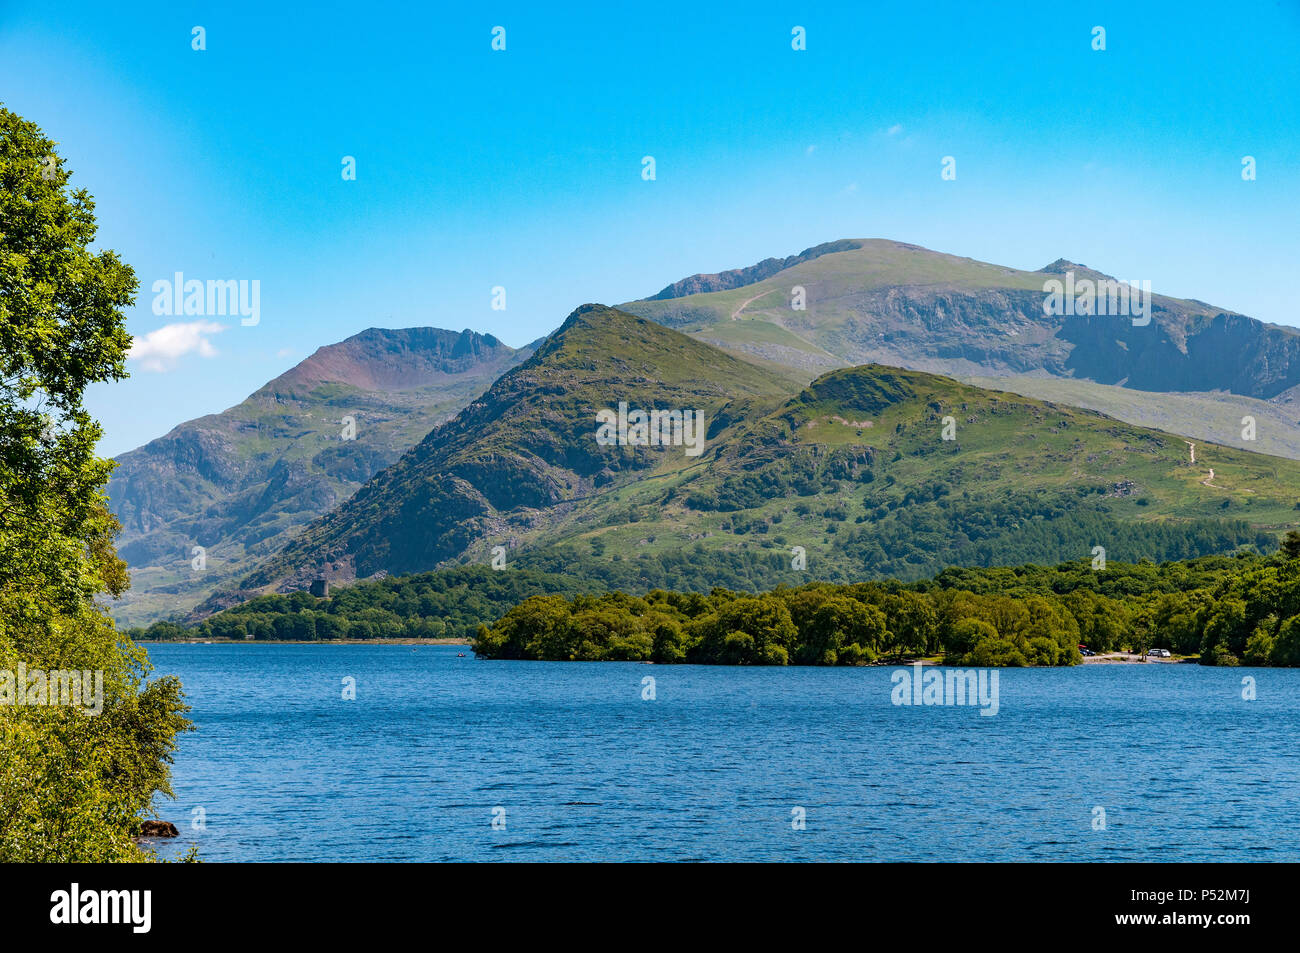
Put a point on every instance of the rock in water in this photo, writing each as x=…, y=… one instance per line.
x=158, y=829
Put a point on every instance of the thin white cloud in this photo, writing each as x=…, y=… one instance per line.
x=894, y=130
x=810, y=150
x=160, y=349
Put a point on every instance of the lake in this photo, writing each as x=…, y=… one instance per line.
x=573, y=763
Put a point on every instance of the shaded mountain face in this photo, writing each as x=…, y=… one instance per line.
x=869, y=471
x=238, y=484
x=899, y=304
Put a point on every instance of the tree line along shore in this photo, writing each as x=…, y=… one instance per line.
x=1228, y=610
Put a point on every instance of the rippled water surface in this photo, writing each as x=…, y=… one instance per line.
x=714, y=766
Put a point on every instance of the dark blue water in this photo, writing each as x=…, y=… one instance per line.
x=712, y=769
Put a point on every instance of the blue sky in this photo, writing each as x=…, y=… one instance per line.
x=522, y=168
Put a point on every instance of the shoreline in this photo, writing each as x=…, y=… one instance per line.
x=1111, y=658
x=1127, y=658
x=404, y=641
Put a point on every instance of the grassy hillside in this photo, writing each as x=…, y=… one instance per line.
x=855, y=471
x=1216, y=417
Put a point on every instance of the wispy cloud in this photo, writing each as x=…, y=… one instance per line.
x=894, y=130
x=159, y=350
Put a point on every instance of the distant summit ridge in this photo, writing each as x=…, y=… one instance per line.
x=392, y=359
x=738, y=277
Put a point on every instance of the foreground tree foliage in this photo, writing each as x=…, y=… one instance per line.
x=72, y=784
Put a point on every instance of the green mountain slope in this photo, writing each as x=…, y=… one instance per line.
x=240, y=483
x=525, y=453
x=855, y=469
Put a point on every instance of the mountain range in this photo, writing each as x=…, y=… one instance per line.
x=870, y=471
x=894, y=303
x=900, y=304
x=823, y=432
x=240, y=483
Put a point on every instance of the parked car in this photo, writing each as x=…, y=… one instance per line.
x=1158, y=653
x=1084, y=650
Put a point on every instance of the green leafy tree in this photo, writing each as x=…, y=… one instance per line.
x=1286, y=648
x=837, y=624
x=1226, y=631
x=747, y=631
x=912, y=624
x=1260, y=645
x=1000, y=653
x=962, y=637
x=72, y=785
x=533, y=629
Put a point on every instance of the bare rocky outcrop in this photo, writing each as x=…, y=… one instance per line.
x=158, y=829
